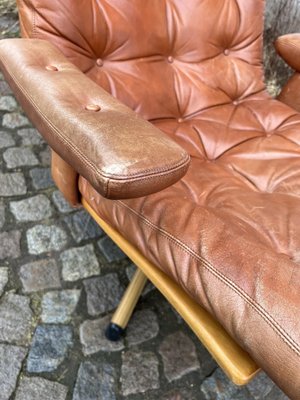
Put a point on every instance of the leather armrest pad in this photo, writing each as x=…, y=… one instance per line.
x=118, y=152
x=288, y=47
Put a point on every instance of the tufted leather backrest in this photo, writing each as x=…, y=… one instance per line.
x=165, y=59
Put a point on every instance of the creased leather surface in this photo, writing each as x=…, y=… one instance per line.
x=229, y=234
x=288, y=47
x=229, y=231
x=164, y=59
x=290, y=93
x=121, y=154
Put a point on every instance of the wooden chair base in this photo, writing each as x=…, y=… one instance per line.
x=126, y=307
x=235, y=362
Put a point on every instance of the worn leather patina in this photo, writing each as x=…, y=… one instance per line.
x=229, y=230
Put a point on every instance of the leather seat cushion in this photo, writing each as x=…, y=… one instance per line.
x=162, y=59
x=229, y=231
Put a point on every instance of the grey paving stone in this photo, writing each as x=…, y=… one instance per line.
x=179, y=356
x=45, y=157
x=260, y=386
x=110, y=250
x=19, y=157
x=39, y=275
x=11, y=358
x=14, y=120
x=93, y=339
x=2, y=215
x=276, y=394
x=3, y=279
x=35, y=388
x=79, y=263
x=30, y=137
x=8, y=103
x=10, y=244
x=8, y=27
x=4, y=88
x=41, y=178
x=43, y=238
x=219, y=387
x=61, y=203
x=82, y=226
x=103, y=293
x=139, y=372
x=95, y=381
x=12, y=184
x=6, y=140
x=33, y=208
x=49, y=347
x=181, y=394
x=15, y=319
x=58, y=306
x=142, y=326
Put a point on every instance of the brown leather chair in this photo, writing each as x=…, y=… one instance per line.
x=205, y=196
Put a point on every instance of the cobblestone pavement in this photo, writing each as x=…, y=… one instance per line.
x=60, y=279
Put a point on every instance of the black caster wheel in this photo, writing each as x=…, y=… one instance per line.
x=114, y=332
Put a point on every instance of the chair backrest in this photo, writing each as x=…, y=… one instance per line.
x=165, y=59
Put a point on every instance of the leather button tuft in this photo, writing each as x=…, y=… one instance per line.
x=235, y=102
x=99, y=62
x=226, y=52
x=180, y=120
x=92, y=107
x=170, y=59
x=51, y=68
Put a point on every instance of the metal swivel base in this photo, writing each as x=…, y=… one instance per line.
x=114, y=332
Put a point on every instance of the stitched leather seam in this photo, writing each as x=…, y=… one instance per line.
x=110, y=182
x=292, y=344
x=34, y=33
x=86, y=161
x=158, y=171
x=82, y=157
x=33, y=11
x=142, y=178
x=107, y=189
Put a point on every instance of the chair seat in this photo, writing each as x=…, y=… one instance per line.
x=229, y=231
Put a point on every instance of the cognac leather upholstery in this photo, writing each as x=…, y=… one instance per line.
x=228, y=232
x=288, y=47
x=121, y=154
